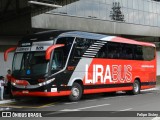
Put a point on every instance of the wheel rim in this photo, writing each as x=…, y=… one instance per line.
x=75, y=92
x=136, y=87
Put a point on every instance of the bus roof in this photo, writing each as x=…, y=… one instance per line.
x=96, y=36
x=45, y=35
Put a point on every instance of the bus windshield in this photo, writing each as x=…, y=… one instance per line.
x=30, y=63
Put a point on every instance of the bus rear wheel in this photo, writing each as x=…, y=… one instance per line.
x=76, y=92
x=136, y=88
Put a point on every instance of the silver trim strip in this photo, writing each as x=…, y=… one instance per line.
x=90, y=49
x=90, y=53
x=99, y=43
x=95, y=47
x=33, y=86
x=88, y=56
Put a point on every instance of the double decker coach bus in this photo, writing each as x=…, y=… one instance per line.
x=76, y=63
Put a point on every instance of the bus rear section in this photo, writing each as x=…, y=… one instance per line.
x=80, y=63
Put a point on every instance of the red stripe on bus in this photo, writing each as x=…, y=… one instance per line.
x=90, y=91
x=41, y=94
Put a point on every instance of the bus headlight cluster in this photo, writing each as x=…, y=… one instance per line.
x=46, y=82
x=13, y=83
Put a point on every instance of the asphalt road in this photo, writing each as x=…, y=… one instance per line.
x=121, y=106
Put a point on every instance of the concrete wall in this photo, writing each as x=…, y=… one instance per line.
x=5, y=43
x=4, y=66
x=63, y=22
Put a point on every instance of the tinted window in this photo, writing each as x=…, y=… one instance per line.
x=60, y=55
x=114, y=50
x=148, y=53
x=67, y=41
x=80, y=47
x=103, y=52
x=138, y=53
x=126, y=52
x=144, y=53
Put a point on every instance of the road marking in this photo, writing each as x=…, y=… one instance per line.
x=83, y=108
x=156, y=118
x=109, y=98
x=4, y=109
x=90, y=100
x=122, y=110
x=126, y=109
x=70, y=103
x=6, y=101
x=9, y=106
x=47, y=105
x=16, y=106
x=121, y=96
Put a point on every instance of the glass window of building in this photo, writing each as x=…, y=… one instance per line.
x=141, y=17
x=125, y=3
x=146, y=6
x=130, y=4
x=141, y=5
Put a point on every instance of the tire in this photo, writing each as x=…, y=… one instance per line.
x=76, y=92
x=136, y=88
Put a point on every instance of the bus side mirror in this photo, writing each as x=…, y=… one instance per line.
x=7, y=51
x=50, y=49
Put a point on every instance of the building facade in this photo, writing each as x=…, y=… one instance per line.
x=125, y=17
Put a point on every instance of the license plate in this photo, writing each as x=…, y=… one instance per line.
x=25, y=92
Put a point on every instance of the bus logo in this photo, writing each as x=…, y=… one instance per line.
x=113, y=73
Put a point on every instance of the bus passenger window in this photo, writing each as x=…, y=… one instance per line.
x=127, y=52
x=102, y=53
x=138, y=53
x=114, y=50
x=148, y=53
x=80, y=47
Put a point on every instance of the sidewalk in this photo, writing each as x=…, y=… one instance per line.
x=156, y=88
x=6, y=100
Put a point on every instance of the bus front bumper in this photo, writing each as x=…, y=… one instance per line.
x=40, y=94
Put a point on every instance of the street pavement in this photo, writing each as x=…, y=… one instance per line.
x=119, y=106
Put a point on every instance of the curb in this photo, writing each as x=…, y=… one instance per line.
x=6, y=101
x=157, y=88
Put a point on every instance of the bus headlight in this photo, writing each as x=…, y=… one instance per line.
x=46, y=82
x=13, y=84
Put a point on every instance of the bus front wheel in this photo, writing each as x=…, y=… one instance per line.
x=136, y=88
x=76, y=92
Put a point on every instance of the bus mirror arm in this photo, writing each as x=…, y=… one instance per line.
x=50, y=49
x=8, y=51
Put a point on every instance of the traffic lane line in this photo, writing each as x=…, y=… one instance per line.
x=19, y=106
x=122, y=110
x=69, y=103
x=90, y=100
x=83, y=108
x=77, y=109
